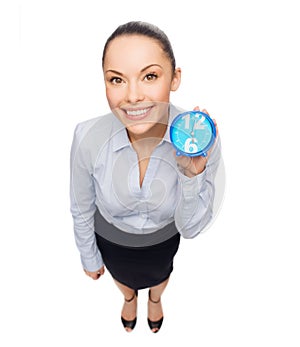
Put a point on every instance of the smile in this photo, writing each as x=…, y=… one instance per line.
x=137, y=114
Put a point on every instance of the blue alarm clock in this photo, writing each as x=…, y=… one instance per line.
x=192, y=133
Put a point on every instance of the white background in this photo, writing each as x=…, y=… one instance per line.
x=235, y=285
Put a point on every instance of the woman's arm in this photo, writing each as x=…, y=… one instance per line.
x=83, y=197
x=195, y=208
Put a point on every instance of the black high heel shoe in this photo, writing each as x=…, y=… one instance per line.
x=157, y=324
x=130, y=323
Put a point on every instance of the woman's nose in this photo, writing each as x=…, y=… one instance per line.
x=134, y=93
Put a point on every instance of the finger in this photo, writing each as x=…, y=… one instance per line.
x=183, y=160
x=100, y=271
x=205, y=111
x=216, y=126
x=197, y=108
x=93, y=275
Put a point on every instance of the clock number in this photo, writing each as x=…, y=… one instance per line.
x=198, y=125
x=187, y=118
x=190, y=145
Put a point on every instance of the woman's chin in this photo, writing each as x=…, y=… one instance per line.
x=139, y=129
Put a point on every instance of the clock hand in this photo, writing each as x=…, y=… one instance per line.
x=192, y=132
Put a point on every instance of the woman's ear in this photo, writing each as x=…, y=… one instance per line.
x=176, y=79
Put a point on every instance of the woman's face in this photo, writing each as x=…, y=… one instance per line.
x=138, y=79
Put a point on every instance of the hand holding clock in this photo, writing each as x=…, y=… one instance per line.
x=193, y=165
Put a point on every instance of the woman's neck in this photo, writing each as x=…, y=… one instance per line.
x=145, y=143
x=156, y=133
x=149, y=139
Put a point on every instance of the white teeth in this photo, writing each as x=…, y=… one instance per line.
x=137, y=112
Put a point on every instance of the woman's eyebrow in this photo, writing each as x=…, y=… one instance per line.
x=115, y=72
x=148, y=66
x=144, y=69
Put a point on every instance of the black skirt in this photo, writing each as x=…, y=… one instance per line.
x=138, y=267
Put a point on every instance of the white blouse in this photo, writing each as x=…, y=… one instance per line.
x=105, y=175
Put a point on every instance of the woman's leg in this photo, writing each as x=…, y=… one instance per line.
x=155, y=311
x=129, y=308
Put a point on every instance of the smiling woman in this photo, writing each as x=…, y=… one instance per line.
x=131, y=197
x=138, y=88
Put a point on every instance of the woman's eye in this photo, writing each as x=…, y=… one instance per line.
x=116, y=80
x=150, y=77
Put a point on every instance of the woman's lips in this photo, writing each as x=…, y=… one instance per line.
x=137, y=113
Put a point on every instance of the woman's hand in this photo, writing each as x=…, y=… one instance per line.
x=193, y=166
x=96, y=274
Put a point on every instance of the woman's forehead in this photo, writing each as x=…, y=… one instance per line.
x=136, y=48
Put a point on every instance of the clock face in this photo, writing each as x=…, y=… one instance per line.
x=192, y=133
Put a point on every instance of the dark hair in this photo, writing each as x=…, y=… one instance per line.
x=144, y=29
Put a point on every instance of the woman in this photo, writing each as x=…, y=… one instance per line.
x=131, y=196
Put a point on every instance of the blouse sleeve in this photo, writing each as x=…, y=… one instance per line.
x=195, y=208
x=83, y=197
